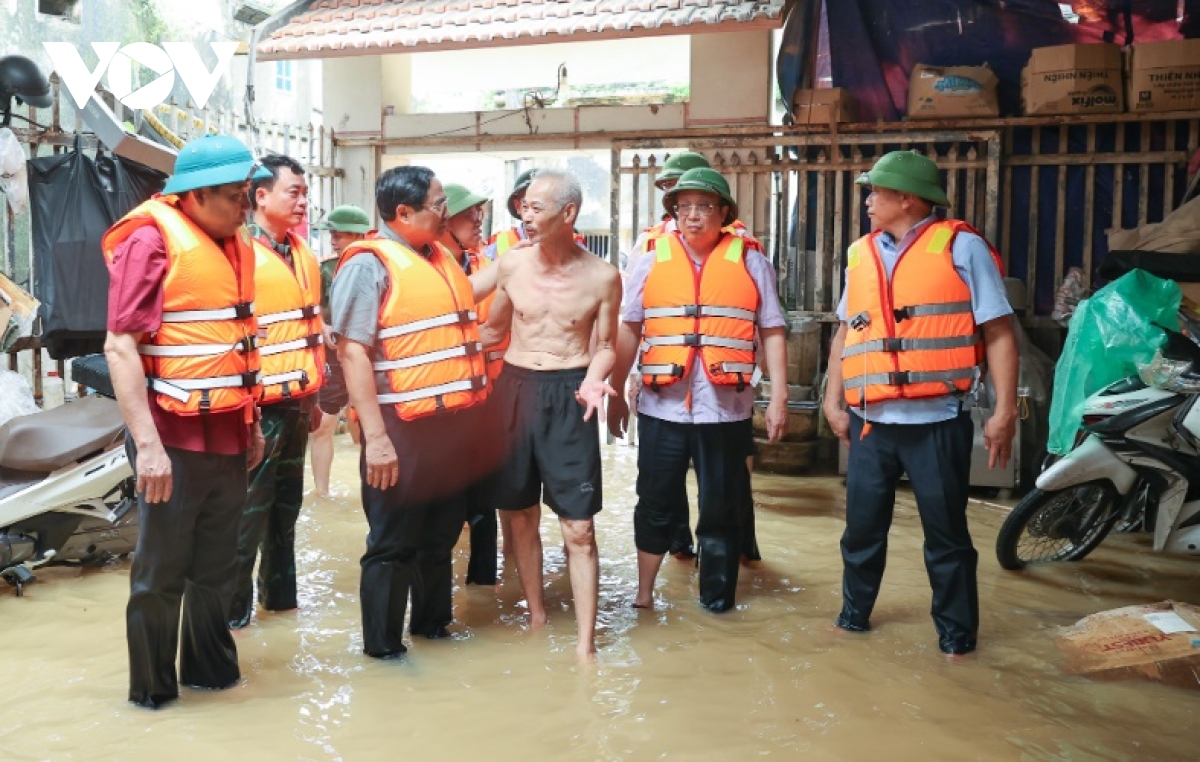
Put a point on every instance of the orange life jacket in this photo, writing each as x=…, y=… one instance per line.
x=289, y=309
x=428, y=345
x=918, y=338
x=493, y=355
x=203, y=358
x=712, y=312
x=737, y=227
x=505, y=240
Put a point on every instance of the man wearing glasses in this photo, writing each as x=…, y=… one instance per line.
x=182, y=353
x=403, y=312
x=923, y=307
x=695, y=305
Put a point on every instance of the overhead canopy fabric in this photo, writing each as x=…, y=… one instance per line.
x=873, y=45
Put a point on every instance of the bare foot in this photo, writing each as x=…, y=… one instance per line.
x=537, y=622
x=643, y=604
x=586, y=652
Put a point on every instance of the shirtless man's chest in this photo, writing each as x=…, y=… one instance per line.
x=554, y=310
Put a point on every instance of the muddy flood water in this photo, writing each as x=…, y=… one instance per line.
x=771, y=678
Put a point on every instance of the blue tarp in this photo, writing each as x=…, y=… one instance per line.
x=873, y=45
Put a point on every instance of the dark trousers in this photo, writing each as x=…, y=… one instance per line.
x=272, y=508
x=718, y=451
x=937, y=459
x=485, y=458
x=185, y=555
x=413, y=528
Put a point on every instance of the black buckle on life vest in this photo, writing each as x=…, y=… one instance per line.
x=464, y=316
x=303, y=380
x=250, y=379
x=243, y=310
x=313, y=340
x=691, y=339
x=472, y=348
x=892, y=345
x=901, y=314
x=899, y=378
x=309, y=311
x=247, y=344
x=205, y=401
x=478, y=382
x=691, y=310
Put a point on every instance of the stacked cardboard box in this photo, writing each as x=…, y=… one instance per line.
x=941, y=92
x=1073, y=79
x=823, y=106
x=1164, y=76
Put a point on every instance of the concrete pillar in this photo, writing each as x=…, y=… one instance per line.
x=352, y=92
x=730, y=78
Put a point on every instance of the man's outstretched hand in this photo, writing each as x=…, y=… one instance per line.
x=592, y=395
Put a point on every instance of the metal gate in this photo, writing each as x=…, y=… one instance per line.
x=796, y=194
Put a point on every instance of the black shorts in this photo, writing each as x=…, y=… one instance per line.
x=550, y=450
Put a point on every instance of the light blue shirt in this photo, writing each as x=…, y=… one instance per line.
x=974, y=264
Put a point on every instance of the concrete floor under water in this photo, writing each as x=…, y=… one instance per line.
x=771, y=678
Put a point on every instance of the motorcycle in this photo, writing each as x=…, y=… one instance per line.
x=1135, y=463
x=66, y=486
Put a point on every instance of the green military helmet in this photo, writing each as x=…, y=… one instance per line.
x=676, y=164
x=213, y=160
x=346, y=219
x=704, y=179
x=907, y=172
x=524, y=180
x=459, y=199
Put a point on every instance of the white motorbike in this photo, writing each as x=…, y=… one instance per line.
x=66, y=489
x=1136, y=463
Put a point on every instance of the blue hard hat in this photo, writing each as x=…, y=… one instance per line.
x=214, y=160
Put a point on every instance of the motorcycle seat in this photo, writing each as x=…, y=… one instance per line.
x=48, y=440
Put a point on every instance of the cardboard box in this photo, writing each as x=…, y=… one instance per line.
x=823, y=106
x=937, y=92
x=1159, y=641
x=1073, y=79
x=1164, y=76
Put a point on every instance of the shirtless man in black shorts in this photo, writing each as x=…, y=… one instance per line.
x=552, y=390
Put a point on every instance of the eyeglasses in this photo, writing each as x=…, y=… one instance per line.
x=701, y=210
x=234, y=193
x=438, y=207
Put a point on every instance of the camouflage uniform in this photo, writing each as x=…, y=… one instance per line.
x=272, y=508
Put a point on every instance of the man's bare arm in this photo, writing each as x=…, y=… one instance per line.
x=1000, y=343
x=835, y=405
x=129, y=383
x=607, y=319
x=628, y=336
x=499, y=320
x=594, y=389
x=382, y=465
x=775, y=352
x=483, y=282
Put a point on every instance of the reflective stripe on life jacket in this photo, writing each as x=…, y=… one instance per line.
x=428, y=345
x=493, y=355
x=203, y=358
x=914, y=337
x=711, y=312
x=289, y=309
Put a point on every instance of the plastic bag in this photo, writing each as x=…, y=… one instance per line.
x=16, y=396
x=1166, y=373
x=1111, y=334
x=14, y=181
x=1069, y=294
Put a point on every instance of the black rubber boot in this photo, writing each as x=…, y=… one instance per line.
x=718, y=574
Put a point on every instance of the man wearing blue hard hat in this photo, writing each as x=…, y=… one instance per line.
x=182, y=351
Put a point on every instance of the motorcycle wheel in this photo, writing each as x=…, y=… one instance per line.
x=1056, y=526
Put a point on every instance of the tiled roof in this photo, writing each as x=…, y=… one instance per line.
x=370, y=27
